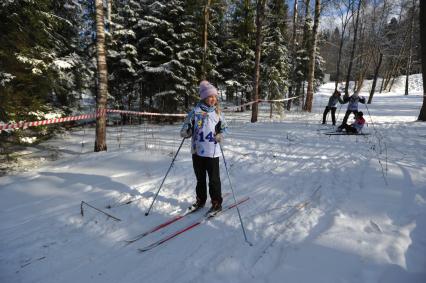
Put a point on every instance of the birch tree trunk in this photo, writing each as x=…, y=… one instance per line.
x=311, y=67
x=422, y=20
x=260, y=11
x=102, y=83
x=351, y=59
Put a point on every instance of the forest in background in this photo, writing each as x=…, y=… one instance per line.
x=158, y=51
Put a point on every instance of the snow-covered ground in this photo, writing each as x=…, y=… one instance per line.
x=321, y=209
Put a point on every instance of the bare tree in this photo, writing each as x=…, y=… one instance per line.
x=422, y=22
x=311, y=67
x=102, y=76
x=260, y=12
x=351, y=59
x=376, y=75
x=344, y=9
x=364, y=57
x=376, y=24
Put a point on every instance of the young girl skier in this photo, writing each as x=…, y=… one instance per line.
x=206, y=125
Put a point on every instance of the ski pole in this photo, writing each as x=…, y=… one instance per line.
x=171, y=164
x=235, y=199
x=370, y=116
x=337, y=117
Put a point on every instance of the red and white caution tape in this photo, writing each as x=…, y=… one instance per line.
x=279, y=100
x=145, y=113
x=25, y=125
x=233, y=108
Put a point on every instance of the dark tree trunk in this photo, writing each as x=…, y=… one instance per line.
x=206, y=17
x=410, y=46
x=311, y=67
x=260, y=11
x=422, y=19
x=293, y=50
x=376, y=74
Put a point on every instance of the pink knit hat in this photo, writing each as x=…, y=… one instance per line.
x=207, y=89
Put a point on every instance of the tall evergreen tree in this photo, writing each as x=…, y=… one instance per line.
x=123, y=64
x=276, y=59
x=238, y=51
x=39, y=61
x=164, y=44
x=260, y=15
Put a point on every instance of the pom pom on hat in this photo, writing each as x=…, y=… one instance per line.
x=207, y=89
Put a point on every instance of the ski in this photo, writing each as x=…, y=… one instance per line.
x=345, y=134
x=326, y=129
x=164, y=224
x=207, y=217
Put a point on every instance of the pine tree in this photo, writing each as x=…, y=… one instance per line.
x=164, y=44
x=275, y=62
x=237, y=58
x=39, y=60
x=123, y=63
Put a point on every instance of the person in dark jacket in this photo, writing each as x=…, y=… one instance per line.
x=3, y=115
x=331, y=106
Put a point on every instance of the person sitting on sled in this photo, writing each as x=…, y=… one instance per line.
x=205, y=124
x=357, y=125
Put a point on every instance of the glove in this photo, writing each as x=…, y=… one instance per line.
x=186, y=133
x=218, y=138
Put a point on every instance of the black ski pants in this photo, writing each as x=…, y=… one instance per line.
x=203, y=165
x=333, y=114
x=350, y=129
x=345, y=119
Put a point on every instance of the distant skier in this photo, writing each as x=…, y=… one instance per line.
x=3, y=115
x=331, y=106
x=206, y=125
x=357, y=125
x=352, y=107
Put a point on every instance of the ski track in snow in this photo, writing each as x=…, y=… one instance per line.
x=321, y=209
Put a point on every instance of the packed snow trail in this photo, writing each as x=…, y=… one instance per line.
x=367, y=224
